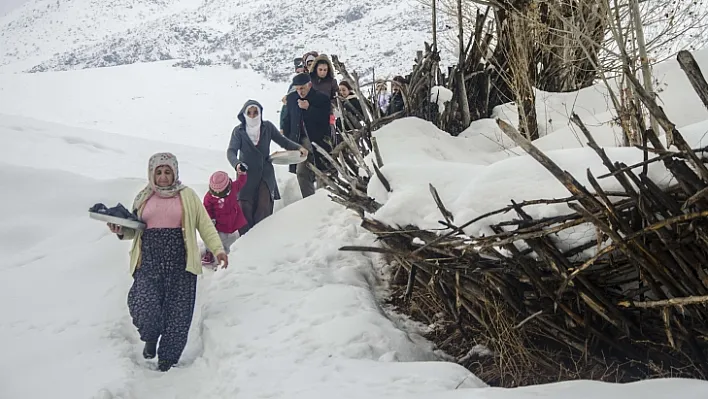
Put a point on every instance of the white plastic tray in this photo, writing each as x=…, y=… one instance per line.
x=286, y=157
x=132, y=224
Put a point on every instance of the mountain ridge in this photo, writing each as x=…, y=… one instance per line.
x=378, y=37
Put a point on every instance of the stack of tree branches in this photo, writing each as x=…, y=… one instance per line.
x=416, y=93
x=635, y=308
x=505, y=50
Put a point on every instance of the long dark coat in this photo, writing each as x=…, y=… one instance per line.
x=242, y=149
x=313, y=122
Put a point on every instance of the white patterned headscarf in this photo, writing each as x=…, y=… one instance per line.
x=253, y=125
x=157, y=160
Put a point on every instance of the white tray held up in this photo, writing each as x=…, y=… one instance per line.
x=286, y=157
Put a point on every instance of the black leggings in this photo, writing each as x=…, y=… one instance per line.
x=257, y=209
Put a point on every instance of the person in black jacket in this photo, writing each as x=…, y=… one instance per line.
x=397, y=104
x=307, y=123
x=348, y=96
x=299, y=68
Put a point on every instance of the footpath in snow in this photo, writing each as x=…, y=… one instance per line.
x=292, y=317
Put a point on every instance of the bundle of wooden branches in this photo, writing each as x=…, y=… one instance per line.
x=636, y=308
x=416, y=93
x=494, y=59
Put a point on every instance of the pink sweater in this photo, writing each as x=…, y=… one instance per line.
x=163, y=213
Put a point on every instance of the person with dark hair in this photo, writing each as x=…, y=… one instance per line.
x=397, y=104
x=346, y=92
x=307, y=123
x=322, y=76
x=299, y=65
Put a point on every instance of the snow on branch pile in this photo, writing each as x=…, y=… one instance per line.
x=635, y=308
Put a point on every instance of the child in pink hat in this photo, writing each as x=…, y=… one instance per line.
x=221, y=202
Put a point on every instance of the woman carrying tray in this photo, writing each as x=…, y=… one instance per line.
x=165, y=259
x=250, y=144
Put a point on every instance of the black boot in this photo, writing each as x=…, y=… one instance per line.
x=150, y=350
x=164, y=365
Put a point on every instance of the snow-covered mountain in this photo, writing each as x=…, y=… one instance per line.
x=265, y=35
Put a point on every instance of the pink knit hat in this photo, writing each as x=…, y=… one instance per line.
x=219, y=181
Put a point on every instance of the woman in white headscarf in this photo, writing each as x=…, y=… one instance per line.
x=250, y=145
x=165, y=259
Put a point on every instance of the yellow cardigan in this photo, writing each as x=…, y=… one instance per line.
x=194, y=217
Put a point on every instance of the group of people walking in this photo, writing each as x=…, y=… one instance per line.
x=165, y=258
x=314, y=107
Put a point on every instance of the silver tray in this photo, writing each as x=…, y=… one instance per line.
x=132, y=224
x=286, y=158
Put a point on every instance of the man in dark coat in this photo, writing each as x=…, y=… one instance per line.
x=307, y=122
x=299, y=68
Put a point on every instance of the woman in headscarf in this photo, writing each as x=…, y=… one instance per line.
x=309, y=58
x=250, y=144
x=165, y=259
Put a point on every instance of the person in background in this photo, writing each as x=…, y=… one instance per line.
x=348, y=96
x=322, y=76
x=299, y=65
x=309, y=58
x=250, y=144
x=165, y=259
x=383, y=97
x=323, y=80
x=307, y=122
x=299, y=68
x=396, y=103
x=221, y=203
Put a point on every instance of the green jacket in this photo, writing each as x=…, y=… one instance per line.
x=194, y=217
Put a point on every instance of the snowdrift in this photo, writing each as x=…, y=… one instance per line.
x=483, y=170
x=292, y=316
x=480, y=272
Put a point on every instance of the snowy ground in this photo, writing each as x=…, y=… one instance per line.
x=292, y=316
x=155, y=100
x=482, y=170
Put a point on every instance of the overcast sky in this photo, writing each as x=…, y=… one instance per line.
x=7, y=5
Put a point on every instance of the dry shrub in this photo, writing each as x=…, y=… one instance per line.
x=504, y=353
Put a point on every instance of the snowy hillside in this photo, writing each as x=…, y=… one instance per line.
x=264, y=35
x=292, y=317
x=193, y=107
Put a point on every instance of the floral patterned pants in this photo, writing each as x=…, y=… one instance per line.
x=161, y=300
